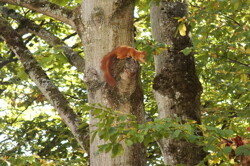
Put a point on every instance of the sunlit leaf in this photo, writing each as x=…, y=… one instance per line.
x=182, y=29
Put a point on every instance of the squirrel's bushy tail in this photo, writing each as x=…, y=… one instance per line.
x=106, y=64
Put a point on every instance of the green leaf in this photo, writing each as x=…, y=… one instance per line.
x=123, y=117
x=105, y=148
x=140, y=138
x=117, y=150
x=192, y=138
x=147, y=140
x=94, y=135
x=227, y=150
x=60, y=2
x=228, y=133
x=22, y=74
x=96, y=111
x=129, y=142
x=243, y=150
x=211, y=147
x=187, y=50
x=113, y=137
x=176, y=133
x=236, y=5
x=112, y=130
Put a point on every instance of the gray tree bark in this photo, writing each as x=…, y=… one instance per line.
x=106, y=25
x=176, y=87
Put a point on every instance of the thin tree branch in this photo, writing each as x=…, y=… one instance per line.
x=238, y=62
x=28, y=25
x=236, y=22
x=46, y=8
x=46, y=86
x=67, y=37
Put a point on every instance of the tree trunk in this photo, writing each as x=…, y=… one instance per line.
x=176, y=87
x=106, y=25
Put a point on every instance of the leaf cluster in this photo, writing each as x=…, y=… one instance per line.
x=118, y=129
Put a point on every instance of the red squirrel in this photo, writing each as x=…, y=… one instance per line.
x=120, y=52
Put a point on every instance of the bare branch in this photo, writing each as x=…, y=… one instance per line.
x=50, y=91
x=238, y=62
x=73, y=34
x=46, y=8
x=28, y=25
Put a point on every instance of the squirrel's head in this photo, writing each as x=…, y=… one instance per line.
x=141, y=56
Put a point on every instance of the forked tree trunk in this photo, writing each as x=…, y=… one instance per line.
x=108, y=24
x=176, y=87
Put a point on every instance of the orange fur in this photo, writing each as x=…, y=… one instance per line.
x=120, y=52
